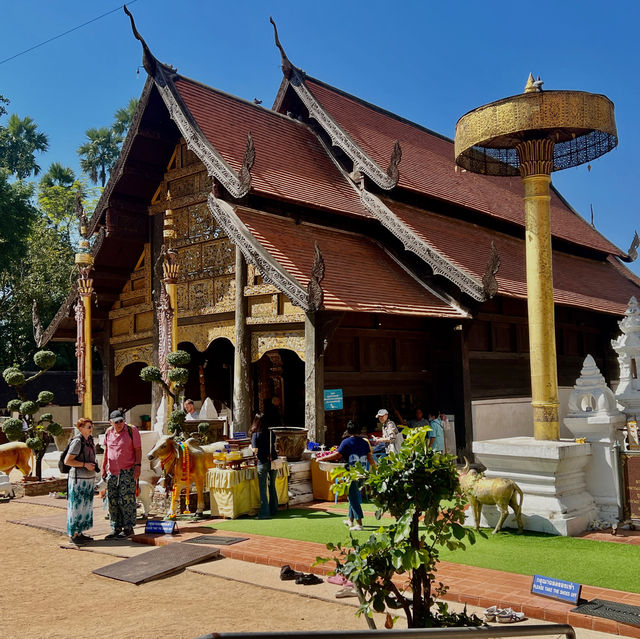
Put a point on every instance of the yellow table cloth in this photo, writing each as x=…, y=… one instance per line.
x=236, y=492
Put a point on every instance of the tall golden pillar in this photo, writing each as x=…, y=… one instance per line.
x=84, y=262
x=531, y=135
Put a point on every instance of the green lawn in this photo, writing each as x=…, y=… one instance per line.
x=611, y=565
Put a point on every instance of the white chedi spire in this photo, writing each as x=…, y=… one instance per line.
x=627, y=345
x=591, y=395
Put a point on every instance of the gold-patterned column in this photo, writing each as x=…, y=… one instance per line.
x=536, y=164
x=84, y=261
x=170, y=271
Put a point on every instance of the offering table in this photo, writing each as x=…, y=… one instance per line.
x=235, y=492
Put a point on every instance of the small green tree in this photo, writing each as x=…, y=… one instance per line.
x=177, y=376
x=414, y=485
x=37, y=432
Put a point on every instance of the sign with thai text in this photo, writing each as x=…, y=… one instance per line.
x=631, y=483
x=333, y=399
x=556, y=588
x=157, y=526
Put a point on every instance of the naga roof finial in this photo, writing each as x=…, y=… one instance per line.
x=148, y=60
x=287, y=67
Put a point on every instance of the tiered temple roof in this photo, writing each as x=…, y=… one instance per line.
x=401, y=230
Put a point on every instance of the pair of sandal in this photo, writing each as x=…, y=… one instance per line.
x=503, y=615
x=347, y=591
x=80, y=539
x=288, y=574
x=339, y=580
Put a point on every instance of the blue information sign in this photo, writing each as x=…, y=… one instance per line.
x=239, y=435
x=556, y=588
x=159, y=526
x=333, y=399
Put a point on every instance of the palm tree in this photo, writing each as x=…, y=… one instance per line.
x=123, y=117
x=99, y=153
x=20, y=140
x=58, y=175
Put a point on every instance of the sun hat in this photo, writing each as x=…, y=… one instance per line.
x=381, y=412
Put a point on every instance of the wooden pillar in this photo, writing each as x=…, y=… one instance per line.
x=314, y=381
x=464, y=414
x=242, y=356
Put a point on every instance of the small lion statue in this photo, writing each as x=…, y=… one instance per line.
x=499, y=491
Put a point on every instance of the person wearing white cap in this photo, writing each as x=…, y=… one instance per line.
x=392, y=438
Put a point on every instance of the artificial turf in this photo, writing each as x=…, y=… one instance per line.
x=607, y=564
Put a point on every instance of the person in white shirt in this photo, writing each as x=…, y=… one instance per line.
x=192, y=413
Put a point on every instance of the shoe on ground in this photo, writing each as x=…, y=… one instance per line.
x=345, y=592
x=77, y=540
x=509, y=616
x=128, y=532
x=85, y=538
x=490, y=613
x=347, y=522
x=114, y=534
x=288, y=574
x=309, y=580
x=356, y=527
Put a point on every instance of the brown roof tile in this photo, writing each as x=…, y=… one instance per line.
x=582, y=282
x=428, y=167
x=290, y=163
x=359, y=275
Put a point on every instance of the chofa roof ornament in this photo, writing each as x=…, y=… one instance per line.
x=362, y=161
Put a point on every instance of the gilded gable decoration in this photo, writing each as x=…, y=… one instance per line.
x=125, y=356
x=262, y=342
x=272, y=272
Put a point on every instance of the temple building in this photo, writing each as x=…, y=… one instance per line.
x=325, y=243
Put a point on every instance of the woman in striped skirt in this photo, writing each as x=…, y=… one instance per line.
x=81, y=457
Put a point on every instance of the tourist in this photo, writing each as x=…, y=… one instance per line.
x=392, y=438
x=121, y=469
x=352, y=450
x=436, y=436
x=263, y=446
x=81, y=457
x=418, y=422
x=190, y=409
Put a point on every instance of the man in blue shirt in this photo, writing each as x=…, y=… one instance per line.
x=352, y=450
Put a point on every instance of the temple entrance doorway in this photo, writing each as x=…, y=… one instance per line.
x=210, y=373
x=133, y=394
x=280, y=373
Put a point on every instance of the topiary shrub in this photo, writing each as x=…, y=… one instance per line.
x=151, y=374
x=12, y=428
x=178, y=358
x=45, y=397
x=13, y=376
x=177, y=376
x=44, y=359
x=35, y=443
x=29, y=408
x=54, y=429
x=37, y=433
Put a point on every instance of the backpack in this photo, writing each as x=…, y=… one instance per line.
x=65, y=468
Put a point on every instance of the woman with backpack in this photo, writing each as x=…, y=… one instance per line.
x=81, y=459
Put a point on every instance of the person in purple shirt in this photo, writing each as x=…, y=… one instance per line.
x=352, y=450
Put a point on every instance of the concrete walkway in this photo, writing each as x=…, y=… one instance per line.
x=477, y=587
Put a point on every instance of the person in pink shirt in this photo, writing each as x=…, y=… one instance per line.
x=121, y=469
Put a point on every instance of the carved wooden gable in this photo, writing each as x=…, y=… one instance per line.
x=132, y=313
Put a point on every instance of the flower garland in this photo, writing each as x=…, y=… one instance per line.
x=185, y=477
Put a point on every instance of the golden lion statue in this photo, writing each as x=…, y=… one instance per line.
x=499, y=491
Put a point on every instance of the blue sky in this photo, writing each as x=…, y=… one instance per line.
x=430, y=62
